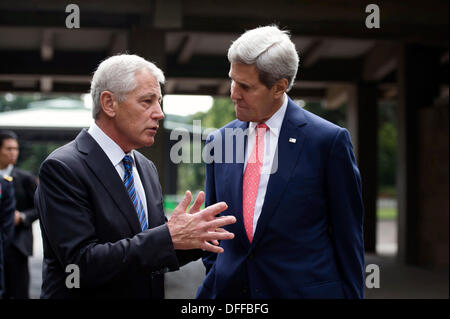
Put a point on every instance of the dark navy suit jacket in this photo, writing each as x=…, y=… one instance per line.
x=308, y=241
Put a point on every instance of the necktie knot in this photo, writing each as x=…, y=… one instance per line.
x=262, y=126
x=127, y=163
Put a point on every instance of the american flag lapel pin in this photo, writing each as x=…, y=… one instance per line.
x=292, y=140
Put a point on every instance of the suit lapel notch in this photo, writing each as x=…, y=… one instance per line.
x=105, y=172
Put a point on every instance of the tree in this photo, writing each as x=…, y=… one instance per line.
x=221, y=113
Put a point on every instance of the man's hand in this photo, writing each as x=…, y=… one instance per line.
x=18, y=218
x=198, y=228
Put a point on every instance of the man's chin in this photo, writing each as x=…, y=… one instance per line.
x=241, y=117
x=149, y=142
x=145, y=143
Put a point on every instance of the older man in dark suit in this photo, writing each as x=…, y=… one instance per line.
x=100, y=202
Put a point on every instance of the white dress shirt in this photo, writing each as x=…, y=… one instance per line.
x=7, y=170
x=116, y=155
x=269, y=165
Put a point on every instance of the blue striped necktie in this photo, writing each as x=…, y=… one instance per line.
x=128, y=180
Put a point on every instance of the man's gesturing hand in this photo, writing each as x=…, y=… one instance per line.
x=196, y=229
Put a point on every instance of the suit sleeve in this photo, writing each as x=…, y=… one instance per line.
x=346, y=214
x=68, y=222
x=30, y=185
x=210, y=198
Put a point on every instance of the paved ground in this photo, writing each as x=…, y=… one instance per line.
x=396, y=281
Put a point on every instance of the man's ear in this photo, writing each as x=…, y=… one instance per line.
x=280, y=87
x=107, y=103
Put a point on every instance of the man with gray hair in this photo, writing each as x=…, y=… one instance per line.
x=100, y=202
x=296, y=197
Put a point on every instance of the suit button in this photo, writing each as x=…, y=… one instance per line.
x=251, y=256
x=244, y=289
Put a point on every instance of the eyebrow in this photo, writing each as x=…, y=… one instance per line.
x=240, y=83
x=149, y=95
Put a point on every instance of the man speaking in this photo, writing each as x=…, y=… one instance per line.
x=100, y=202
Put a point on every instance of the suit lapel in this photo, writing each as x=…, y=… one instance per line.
x=233, y=176
x=287, y=155
x=105, y=172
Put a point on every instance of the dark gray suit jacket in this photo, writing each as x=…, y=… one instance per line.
x=24, y=188
x=88, y=219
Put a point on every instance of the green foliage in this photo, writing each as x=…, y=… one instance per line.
x=32, y=155
x=387, y=213
x=221, y=113
x=192, y=175
x=337, y=116
x=12, y=102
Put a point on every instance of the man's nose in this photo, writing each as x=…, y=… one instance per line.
x=235, y=94
x=158, y=114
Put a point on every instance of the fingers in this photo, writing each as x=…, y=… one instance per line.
x=209, y=247
x=209, y=212
x=219, y=235
x=182, y=206
x=220, y=222
x=198, y=203
x=220, y=230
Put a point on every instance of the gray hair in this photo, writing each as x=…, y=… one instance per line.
x=270, y=50
x=116, y=74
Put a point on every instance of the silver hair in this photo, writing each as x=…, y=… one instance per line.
x=116, y=74
x=270, y=50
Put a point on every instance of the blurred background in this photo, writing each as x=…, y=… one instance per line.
x=388, y=86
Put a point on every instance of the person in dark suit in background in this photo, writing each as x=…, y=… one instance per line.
x=296, y=193
x=7, y=207
x=17, y=274
x=100, y=203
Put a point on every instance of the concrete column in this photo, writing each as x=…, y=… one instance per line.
x=149, y=44
x=362, y=123
x=418, y=85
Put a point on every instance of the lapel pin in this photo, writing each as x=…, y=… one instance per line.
x=292, y=140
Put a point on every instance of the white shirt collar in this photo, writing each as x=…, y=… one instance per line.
x=7, y=170
x=275, y=121
x=111, y=149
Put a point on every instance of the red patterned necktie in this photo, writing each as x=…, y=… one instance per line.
x=251, y=179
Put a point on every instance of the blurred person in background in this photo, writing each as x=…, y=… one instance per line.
x=7, y=207
x=17, y=274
